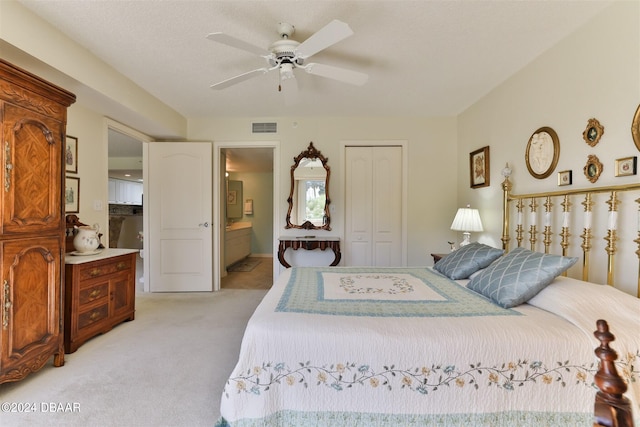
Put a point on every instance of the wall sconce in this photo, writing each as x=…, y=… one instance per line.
x=467, y=220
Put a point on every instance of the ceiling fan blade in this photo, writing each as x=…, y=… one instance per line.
x=289, y=88
x=237, y=43
x=237, y=79
x=330, y=34
x=336, y=73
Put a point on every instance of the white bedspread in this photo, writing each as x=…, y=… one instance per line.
x=357, y=347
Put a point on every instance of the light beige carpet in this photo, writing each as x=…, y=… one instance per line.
x=166, y=368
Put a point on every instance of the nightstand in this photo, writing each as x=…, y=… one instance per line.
x=438, y=257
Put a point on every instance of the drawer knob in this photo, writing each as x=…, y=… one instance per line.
x=95, y=272
x=121, y=266
x=94, y=294
x=94, y=315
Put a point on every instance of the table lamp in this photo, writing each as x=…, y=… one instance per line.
x=467, y=220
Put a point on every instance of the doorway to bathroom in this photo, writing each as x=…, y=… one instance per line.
x=247, y=179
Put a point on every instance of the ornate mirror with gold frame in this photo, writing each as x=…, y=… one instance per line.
x=309, y=195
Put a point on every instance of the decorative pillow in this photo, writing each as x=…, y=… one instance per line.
x=467, y=260
x=519, y=276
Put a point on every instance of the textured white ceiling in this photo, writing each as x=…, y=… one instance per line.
x=424, y=58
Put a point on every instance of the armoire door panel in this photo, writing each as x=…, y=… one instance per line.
x=31, y=156
x=30, y=267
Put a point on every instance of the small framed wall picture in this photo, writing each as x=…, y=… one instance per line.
x=626, y=166
x=564, y=178
x=593, y=168
x=479, y=172
x=72, y=194
x=593, y=132
x=71, y=154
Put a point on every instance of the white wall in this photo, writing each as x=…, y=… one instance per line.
x=432, y=168
x=595, y=72
x=88, y=127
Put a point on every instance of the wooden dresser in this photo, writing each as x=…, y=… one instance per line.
x=99, y=294
x=33, y=116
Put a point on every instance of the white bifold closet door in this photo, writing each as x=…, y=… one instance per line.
x=373, y=193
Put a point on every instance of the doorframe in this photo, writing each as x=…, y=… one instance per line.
x=145, y=140
x=405, y=179
x=218, y=180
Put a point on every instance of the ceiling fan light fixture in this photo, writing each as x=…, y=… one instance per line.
x=286, y=71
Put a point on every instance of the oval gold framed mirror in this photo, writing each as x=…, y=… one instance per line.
x=309, y=195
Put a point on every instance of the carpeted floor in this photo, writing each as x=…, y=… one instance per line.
x=166, y=368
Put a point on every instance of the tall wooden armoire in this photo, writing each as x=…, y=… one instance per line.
x=33, y=116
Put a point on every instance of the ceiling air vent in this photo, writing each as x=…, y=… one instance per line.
x=270, y=127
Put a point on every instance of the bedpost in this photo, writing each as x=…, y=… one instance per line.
x=611, y=408
x=506, y=189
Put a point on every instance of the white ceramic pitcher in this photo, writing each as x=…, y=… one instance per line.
x=86, y=239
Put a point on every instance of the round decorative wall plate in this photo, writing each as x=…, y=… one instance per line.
x=635, y=128
x=542, y=152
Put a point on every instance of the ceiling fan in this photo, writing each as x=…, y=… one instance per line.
x=286, y=55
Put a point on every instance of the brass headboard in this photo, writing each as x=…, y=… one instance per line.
x=543, y=235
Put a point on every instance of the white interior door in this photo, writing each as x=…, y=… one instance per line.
x=374, y=206
x=180, y=232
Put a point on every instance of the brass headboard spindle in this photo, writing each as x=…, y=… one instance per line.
x=637, y=241
x=586, y=236
x=506, y=189
x=611, y=234
x=533, y=215
x=566, y=212
x=548, y=205
x=519, y=229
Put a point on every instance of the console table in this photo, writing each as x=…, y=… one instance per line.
x=309, y=243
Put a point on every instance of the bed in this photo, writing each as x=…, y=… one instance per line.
x=452, y=345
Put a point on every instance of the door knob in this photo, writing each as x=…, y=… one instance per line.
x=206, y=224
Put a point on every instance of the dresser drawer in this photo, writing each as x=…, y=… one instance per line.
x=93, y=293
x=92, y=316
x=91, y=271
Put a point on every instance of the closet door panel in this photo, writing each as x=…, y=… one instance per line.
x=373, y=205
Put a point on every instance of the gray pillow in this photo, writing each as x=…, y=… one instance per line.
x=519, y=276
x=467, y=260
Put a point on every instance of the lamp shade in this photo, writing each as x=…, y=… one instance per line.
x=467, y=219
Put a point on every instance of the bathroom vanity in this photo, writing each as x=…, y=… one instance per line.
x=237, y=242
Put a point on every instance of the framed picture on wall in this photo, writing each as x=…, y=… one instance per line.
x=626, y=166
x=479, y=168
x=564, y=178
x=71, y=154
x=72, y=194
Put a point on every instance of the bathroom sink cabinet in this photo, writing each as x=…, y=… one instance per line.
x=237, y=244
